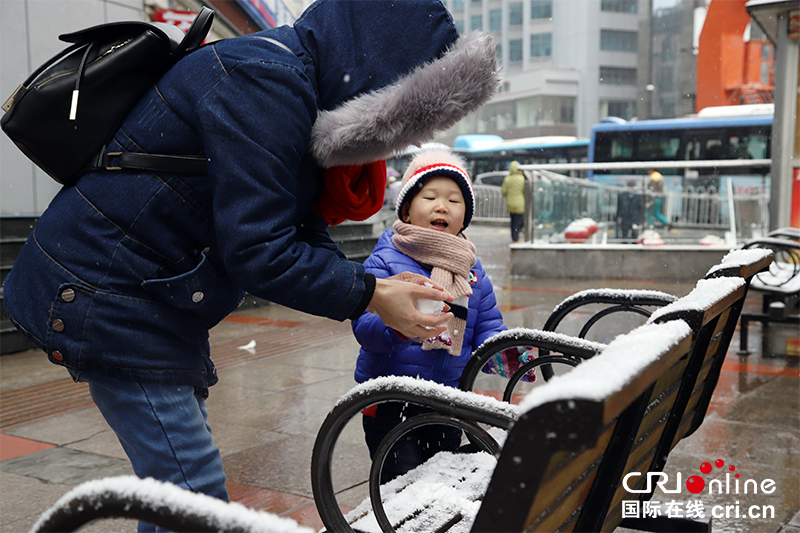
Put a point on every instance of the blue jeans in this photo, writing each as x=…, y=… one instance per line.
x=165, y=433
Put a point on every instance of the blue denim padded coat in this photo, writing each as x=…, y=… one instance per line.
x=126, y=271
x=384, y=353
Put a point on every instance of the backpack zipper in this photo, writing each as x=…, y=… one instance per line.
x=101, y=56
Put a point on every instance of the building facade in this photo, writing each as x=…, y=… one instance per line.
x=567, y=63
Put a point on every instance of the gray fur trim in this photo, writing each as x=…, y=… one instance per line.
x=432, y=98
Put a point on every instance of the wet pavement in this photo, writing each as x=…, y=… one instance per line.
x=281, y=371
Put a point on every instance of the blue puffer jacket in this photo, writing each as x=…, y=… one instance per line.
x=383, y=353
x=126, y=271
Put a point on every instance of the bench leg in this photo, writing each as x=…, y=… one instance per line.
x=666, y=524
x=743, y=336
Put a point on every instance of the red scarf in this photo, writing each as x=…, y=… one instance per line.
x=351, y=192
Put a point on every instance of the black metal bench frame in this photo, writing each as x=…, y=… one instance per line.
x=778, y=286
x=664, y=410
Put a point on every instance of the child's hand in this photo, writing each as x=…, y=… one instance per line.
x=395, y=302
x=508, y=362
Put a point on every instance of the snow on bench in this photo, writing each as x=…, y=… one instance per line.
x=158, y=503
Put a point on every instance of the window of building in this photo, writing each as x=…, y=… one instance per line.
x=515, y=50
x=541, y=110
x=620, y=6
x=624, y=109
x=460, y=27
x=617, y=76
x=669, y=106
x=544, y=110
x=765, y=73
x=496, y=20
x=477, y=22
x=515, y=14
x=666, y=78
x=619, y=41
x=498, y=51
x=567, y=109
x=541, y=9
x=669, y=49
x=541, y=45
x=458, y=5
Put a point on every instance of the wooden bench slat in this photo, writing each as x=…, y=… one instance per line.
x=742, y=264
x=617, y=402
x=556, y=482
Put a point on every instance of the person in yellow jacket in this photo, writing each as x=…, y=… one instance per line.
x=514, y=192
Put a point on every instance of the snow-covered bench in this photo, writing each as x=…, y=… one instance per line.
x=586, y=310
x=569, y=443
x=158, y=503
x=590, y=310
x=779, y=286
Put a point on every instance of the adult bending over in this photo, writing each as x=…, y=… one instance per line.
x=126, y=271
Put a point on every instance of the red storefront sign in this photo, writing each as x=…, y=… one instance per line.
x=181, y=19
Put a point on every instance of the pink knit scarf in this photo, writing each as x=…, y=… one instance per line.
x=451, y=258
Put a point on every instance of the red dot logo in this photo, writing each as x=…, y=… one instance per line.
x=695, y=484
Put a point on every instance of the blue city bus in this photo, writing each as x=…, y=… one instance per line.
x=684, y=139
x=489, y=153
x=725, y=132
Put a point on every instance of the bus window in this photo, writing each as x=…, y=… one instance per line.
x=692, y=152
x=621, y=149
x=737, y=148
x=658, y=146
x=755, y=146
x=714, y=149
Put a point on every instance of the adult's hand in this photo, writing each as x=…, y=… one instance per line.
x=395, y=301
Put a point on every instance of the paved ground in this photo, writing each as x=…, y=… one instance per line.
x=272, y=398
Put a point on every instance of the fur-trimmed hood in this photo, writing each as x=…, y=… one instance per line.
x=430, y=99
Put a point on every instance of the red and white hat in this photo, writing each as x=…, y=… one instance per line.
x=436, y=162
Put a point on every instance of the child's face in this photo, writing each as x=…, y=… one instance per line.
x=439, y=206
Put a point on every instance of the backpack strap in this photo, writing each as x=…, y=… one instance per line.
x=176, y=164
x=197, y=32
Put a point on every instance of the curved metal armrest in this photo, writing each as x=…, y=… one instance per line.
x=620, y=300
x=787, y=233
x=786, y=264
x=158, y=503
x=568, y=350
x=445, y=400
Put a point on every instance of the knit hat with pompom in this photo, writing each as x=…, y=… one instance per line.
x=436, y=162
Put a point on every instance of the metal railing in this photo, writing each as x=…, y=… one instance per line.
x=553, y=200
x=490, y=205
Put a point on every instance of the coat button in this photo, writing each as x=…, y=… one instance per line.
x=58, y=325
x=68, y=295
x=57, y=355
x=197, y=297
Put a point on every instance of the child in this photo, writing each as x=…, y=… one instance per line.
x=435, y=205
